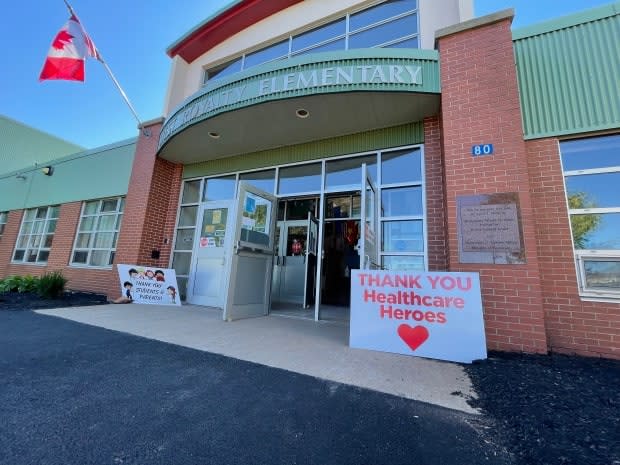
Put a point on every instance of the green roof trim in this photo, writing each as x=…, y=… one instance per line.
x=567, y=21
x=92, y=174
x=568, y=76
x=22, y=146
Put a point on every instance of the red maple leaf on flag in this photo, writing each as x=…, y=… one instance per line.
x=63, y=38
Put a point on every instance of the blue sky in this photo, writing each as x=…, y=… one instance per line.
x=132, y=36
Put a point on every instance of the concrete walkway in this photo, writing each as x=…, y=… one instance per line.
x=317, y=349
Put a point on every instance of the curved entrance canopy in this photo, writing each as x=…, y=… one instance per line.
x=303, y=99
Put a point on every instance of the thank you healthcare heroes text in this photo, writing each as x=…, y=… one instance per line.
x=435, y=315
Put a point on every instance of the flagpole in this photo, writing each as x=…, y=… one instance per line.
x=145, y=131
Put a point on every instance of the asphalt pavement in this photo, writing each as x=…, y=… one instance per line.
x=77, y=394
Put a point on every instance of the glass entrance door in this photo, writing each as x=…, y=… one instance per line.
x=290, y=263
x=206, y=284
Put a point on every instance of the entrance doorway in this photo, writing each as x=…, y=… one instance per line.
x=207, y=283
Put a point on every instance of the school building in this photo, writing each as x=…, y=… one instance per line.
x=303, y=139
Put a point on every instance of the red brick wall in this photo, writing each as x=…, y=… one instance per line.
x=151, y=206
x=480, y=104
x=435, y=200
x=573, y=325
x=79, y=279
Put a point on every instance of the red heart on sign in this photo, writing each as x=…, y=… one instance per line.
x=413, y=337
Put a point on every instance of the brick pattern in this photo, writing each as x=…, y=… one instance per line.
x=435, y=200
x=151, y=206
x=573, y=325
x=79, y=279
x=480, y=104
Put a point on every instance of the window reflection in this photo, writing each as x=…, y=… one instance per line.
x=264, y=180
x=602, y=274
x=593, y=190
x=298, y=179
x=590, y=153
x=401, y=166
x=380, y=12
x=384, y=33
x=596, y=231
x=348, y=172
x=402, y=201
x=219, y=188
x=318, y=35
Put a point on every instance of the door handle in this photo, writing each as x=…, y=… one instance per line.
x=283, y=260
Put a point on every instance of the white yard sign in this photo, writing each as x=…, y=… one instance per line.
x=434, y=315
x=149, y=285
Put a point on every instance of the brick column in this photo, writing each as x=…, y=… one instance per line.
x=151, y=205
x=435, y=201
x=480, y=104
x=7, y=241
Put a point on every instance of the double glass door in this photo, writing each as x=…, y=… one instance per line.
x=294, y=271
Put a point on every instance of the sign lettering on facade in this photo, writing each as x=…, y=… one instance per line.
x=215, y=99
x=434, y=315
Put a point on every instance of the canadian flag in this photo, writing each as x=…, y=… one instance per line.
x=69, y=50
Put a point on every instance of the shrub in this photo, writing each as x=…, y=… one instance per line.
x=51, y=285
x=27, y=283
x=18, y=284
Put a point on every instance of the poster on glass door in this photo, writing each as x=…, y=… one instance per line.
x=426, y=314
x=149, y=285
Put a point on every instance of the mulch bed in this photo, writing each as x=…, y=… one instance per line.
x=32, y=301
x=551, y=409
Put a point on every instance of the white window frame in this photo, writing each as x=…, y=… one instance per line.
x=584, y=255
x=4, y=217
x=28, y=242
x=97, y=215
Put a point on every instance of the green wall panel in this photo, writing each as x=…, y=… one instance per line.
x=568, y=72
x=102, y=172
x=406, y=134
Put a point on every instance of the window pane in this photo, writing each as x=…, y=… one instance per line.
x=380, y=12
x=106, y=223
x=594, y=190
x=23, y=242
x=407, y=43
x=41, y=213
x=602, y=274
x=224, y=70
x=338, y=44
x=54, y=212
x=596, y=231
x=51, y=226
x=121, y=208
x=88, y=223
x=191, y=192
x=594, y=152
x=80, y=257
x=30, y=214
x=384, y=33
x=31, y=255
x=109, y=205
x=104, y=241
x=401, y=201
x=182, y=283
x=348, y=172
x=401, y=166
x=27, y=228
x=19, y=255
x=119, y=220
x=35, y=241
x=320, y=34
x=298, y=209
x=338, y=207
x=1, y=228
x=297, y=179
x=99, y=258
x=37, y=227
x=47, y=243
x=187, y=216
x=181, y=262
x=90, y=208
x=401, y=263
x=82, y=241
x=264, y=180
x=402, y=236
x=43, y=256
x=267, y=54
x=185, y=239
x=219, y=188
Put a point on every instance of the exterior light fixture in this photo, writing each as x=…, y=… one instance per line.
x=47, y=170
x=214, y=135
x=302, y=113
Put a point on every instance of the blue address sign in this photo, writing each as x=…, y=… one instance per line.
x=482, y=149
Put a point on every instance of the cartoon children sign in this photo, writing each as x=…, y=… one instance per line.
x=149, y=285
